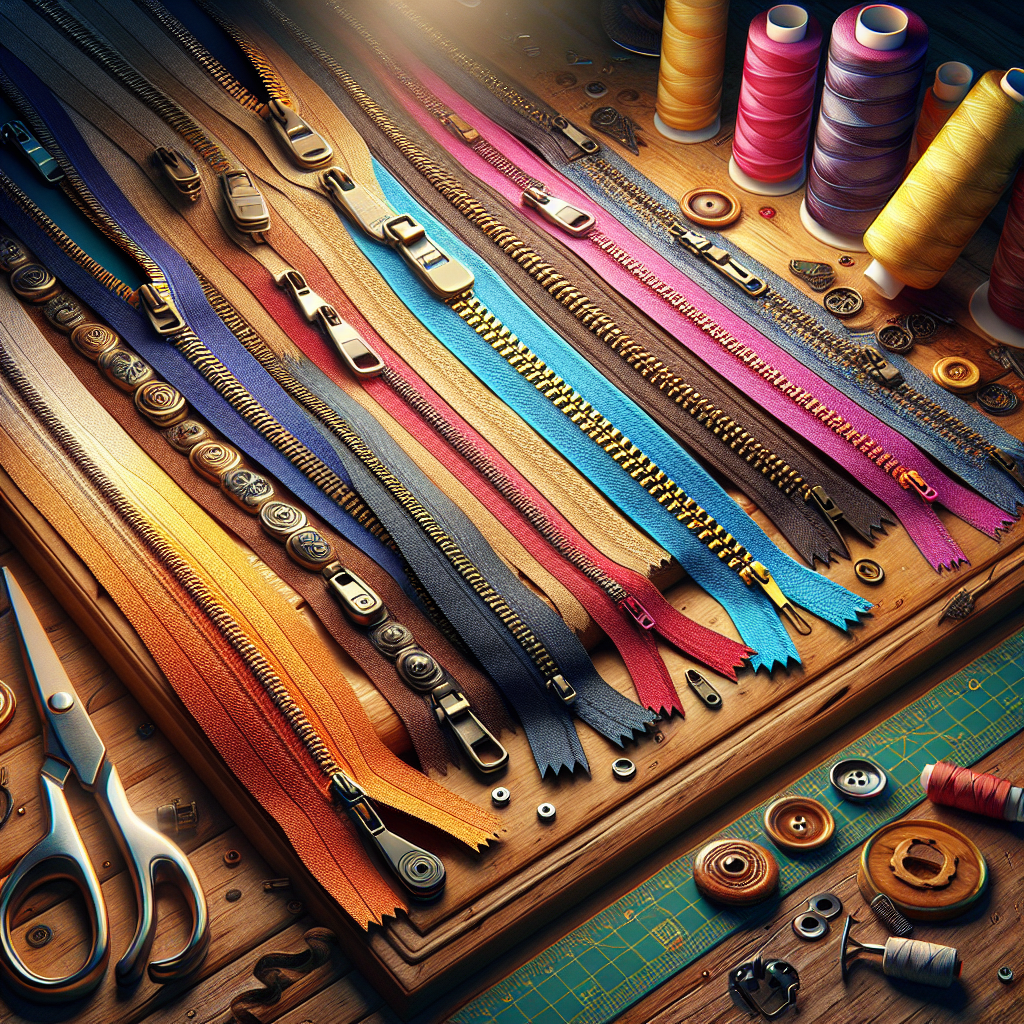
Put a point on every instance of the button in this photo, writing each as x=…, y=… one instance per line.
x=869, y=571
x=500, y=797
x=956, y=374
x=798, y=824
x=623, y=768
x=736, y=872
x=710, y=207
x=546, y=812
x=997, y=399
x=857, y=778
x=894, y=338
x=843, y=302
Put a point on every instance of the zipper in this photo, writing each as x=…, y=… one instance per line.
x=869, y=367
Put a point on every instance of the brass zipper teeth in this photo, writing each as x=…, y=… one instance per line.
x=193, y=584
x=160, y=104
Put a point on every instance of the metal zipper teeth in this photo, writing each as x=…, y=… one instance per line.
x=162, y=105
x=192, y=583
x=785, y=312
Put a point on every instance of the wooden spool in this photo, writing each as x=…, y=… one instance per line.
x=799, y=824
x=928, y=869
x=735, y=871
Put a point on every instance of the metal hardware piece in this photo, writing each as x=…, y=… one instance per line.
x=421, y=872
x=463, y=129
x=721, y=260
x=564, y=215
x=293, y=282
x=961, y=604
x=826, y=905
x=595, y=90
x=709, y=696
x=42, y=161
x=997, y=399
x=233, y=895
x=885, y=910
x=8, y=705
x=894, y=338
x=357, y=202
x=445, y=276
x=820, y=276
x=617, y=126
x=500, y=797
x=637, y=612
x=546, y=812
x=921, y=325
x=880, y=369
x=1008, y=359
x=361, y=360
x=562, y=689
x=276, y=884
x=764, y=986
x=926, y=963
x=843, y=302
x=869, y=571
x=774, y=593
x=8, y=797
x=586, y=145
x=857, y=779
x=179, y=171
x=832, y=513
x=956, y=374
x=710, y=207
x=177, y=817
x=1008, y=464
x=358, y=600
x=246, y=205
x=810, y=925
x=307, y=147
x=39, y=935
x=623, y=768
x=231, y=858
x=163, y=314
x=1005, y=974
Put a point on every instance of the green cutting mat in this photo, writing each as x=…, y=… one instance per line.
x=617, y=957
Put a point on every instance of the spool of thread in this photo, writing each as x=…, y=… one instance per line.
x=952, y=83
x=998, y=305
x=952, y=188
x=923, y=962
x=773, y=122
x=692, y=67
x=866, y=123
x=979, y=792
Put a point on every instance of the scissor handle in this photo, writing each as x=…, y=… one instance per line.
x=151, y=858
x=60, y=854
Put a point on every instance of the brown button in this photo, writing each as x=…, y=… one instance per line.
x=956, y=374
x=124, y=368
x=798, y=823
x=710, y=207
x=735, y=871
x=92, y=340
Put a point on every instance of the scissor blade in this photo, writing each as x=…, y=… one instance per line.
x=68, y=734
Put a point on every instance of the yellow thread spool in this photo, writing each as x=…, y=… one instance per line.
x=952, y=188
x=952, y=83
x=692, y=68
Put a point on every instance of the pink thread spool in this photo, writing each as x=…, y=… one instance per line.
x=978, y=792
x=773, y=122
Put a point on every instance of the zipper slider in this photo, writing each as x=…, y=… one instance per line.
x=308, y=148
x=246, y=204
x=179, y=171
x=832, y=512
x=700, y=686
x=357, y=202
x=422, y=873
x=444, y=276
x=783, y=605
x=558, y=212
x=163, y=314
x=1007, y=463
x=358, y=600
x=457, y=126
x=33, y=150
x=636, y=611
x=911, y=480
x=721, y=260
x=452, y=706
x=308, y=301
x=587, y=146
x=358, y=356
x=880, y=369
x=561, y=689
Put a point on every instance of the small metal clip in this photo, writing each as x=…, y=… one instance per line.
x=33, y=150
x=276, y=884
x=357, y=202
x=163, y=314
x=443, y=275
x=463, y=129
x=308, y=148
x=1008, y=464
x=880, y=369
x=562, y=690
x=358, y=356
x=587, y=146
x=773, y=592
x=564, y=215
x=913, y=481
x=246, y=205
x=832, y=512
x=636, y=611
x=179, y=171
x=700, y=686
x=474, y=739
x=764, y=986
x=177, y=817
x=358, y=600
x=308, y=301
x=721, y=260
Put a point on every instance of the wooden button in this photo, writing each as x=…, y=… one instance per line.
x=710, y=207
x=928, y=869
x=798, y=824
x=956, y=374
x=736, y=872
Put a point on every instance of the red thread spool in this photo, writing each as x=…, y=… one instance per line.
x=967, y=790
x=1006, y=285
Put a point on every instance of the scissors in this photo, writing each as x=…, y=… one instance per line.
x=72, y=745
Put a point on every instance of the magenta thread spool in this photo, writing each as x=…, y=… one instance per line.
x=776, y=106
x=866, y=122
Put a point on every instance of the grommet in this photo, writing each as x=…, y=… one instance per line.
x=798, y=824
x=295, y=907
x=843, y=302
x=736, y=872
x=232, y=858
x=233, y=895
x=39, y=936
x=1005, y=974
x=894, y=338
x=177, y=817
x=997, y=399
x=710, y=207
x=869, y=571
x=623, y=768
x=546, y=812
x=846, y=261
x=595, y=90
x=810, y=926
x=956, y=374
x=768, y=212
x=826, y=904
x=857, y=779
x=500, y=796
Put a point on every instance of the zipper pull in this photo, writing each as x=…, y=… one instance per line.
x=1007, y=463
x=422, y=873
x=179, y=171
x=163, y=314
x=358, y=600
x=246, y=205
x=358, y=356
x=357, y=202
x=832, y=512
x=32, y=149
x=308, y=148
x=561, y=689
x=700, y=686
x=911, y=480
x=586, y=145
x=636, y=611
x=880, y=369
x=558, y=212
x=457, y=126
x=307, y=300
x=721, y=260
x=444, y=276
x=452, y=706
x=783, y=605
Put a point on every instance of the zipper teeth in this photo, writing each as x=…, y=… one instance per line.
x=177, y=31
x=194, y=585
x=162, y=105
